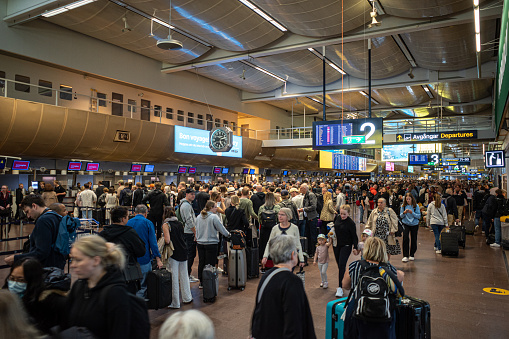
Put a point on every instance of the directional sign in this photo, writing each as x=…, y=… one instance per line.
x=494, y=159
x=354, y=139
x=434, y=136
x=495, y=290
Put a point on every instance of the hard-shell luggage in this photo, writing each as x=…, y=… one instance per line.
x=460, y=231
x=449, y=242
x=158, y=289
x=334, y=325
x=210, y=283
x=413, y=320
x=469, y=226
x=252, y=258
x=237, y=269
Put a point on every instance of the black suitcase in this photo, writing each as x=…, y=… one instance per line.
x=158, y=289
x=304, y=244
x=210, y=283
x=449, y=242
x=461, y=232
x=252, y=258
x=469, y=226
x=413, y=319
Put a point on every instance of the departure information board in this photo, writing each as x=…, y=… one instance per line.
x=431, y=159
x=346, y=134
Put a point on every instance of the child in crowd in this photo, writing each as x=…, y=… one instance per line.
x=360, y=246
x=322, y=258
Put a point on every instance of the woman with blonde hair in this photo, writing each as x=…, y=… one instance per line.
x=13, y=319
x=269, y=208
x=328, y=212
x=99, y=300
x=236, y=217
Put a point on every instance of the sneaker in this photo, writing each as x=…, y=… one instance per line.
x=438, y=252
x=405, y=259
x=476, y=228
x=435, y=248
x=321, y=284
x=339, y=292
x=325, y=285
x=411, y=258
x=173, y=307
x=200, y=287
x=193, y=279
x=495, y=245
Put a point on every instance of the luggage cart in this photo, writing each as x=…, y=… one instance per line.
x=87, y=227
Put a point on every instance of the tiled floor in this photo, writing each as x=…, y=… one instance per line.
x=453, y=286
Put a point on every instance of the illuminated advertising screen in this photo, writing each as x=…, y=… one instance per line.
x=93, y=166
x=149, y=168
x=225, y=170
x=245, y=171
x=389, y=166
x=21, y=165
x=410, y=169
x=74, y=166
x=252, y=171
x=196, y=141
x=182, y=169
x=397, y=152
x=347, y=134
x=217, y=170
x=136, y=167
x=192, y=170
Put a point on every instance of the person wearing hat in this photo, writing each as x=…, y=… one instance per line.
x=189, y=220
x=322, y=258
x=360, y=246
x=288, y=203
x=297, y=199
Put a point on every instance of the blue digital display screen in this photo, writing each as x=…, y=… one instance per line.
x=149, y=168
x=196, y=141
x=417, y=159
x=346, y=134
x=225, y=170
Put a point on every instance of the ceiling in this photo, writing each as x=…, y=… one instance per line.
x=433, y=41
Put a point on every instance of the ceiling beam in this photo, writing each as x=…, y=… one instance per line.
x=292, y=42
x=421, y=77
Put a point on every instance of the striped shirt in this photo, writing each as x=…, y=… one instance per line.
x=355, y=269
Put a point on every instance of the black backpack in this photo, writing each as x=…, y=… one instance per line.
x=238, y=239
x=374, y=301
x=268, y=219
x=127, y=199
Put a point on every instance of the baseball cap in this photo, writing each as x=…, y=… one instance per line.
x=284, y=193
x=321, y=236
x=293, y=189
x=367, y=232
x=190, y=190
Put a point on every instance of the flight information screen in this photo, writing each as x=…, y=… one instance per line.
x=347, y=134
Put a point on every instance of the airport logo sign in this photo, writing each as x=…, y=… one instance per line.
x=122, y=136
x=434, y=136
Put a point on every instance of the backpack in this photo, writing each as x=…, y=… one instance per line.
x=72, y=225
x=127, y=199
x=177, y=213
x=268, y=219
x=370, y=195
x=66, y=234
x=374, y=300
x=139, y=326
x=102, y=200
x=238, y=239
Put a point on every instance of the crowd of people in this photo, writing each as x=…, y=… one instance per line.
x=198, y=219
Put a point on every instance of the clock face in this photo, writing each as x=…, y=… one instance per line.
x=219, y=139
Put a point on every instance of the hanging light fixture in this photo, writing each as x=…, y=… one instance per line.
x=169, y=43
x=373, y=15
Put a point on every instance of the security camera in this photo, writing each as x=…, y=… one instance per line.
x=411, y=74
x=126, y=28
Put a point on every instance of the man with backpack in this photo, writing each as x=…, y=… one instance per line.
x=185, y=214
x=450, y=207
x=43, y=238
x=126, y=196
x=488, y=212
x=157, y=200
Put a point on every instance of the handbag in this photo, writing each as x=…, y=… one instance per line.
x=132, y=272
x=401, y=229
x=166, y=250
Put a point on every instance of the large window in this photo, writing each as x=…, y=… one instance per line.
x=131, y=104
x=169, y=113
x=102, y=103
x=217, y=122
x=22, y=87
x=158, y=111
x=2, y=81
x=180, y=115
x=45, y=88
x=65, y=92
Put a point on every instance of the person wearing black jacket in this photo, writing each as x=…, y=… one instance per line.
x=119, y=233
x=157, y=200
x=344, y=236
x=43, y=235
x=98, y=191
x=502, y=210
x=21, y=192
x=478, y=206
x=450, y=206
x=488, y=213
x=235, y=217
x=137, y=194
x=202, y=197
x=258, y=198
x=99, y=300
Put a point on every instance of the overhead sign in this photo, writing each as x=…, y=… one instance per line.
x=436, y=136
x=494, y=159
x=340, y=161
x=456, y=161
x=3, y=161
x=495, y=290
x=345, y=134
x=196, y=141
x=430, y=159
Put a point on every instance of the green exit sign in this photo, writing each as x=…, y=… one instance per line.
x=354, y=139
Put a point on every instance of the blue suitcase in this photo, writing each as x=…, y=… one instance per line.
x=334, y=325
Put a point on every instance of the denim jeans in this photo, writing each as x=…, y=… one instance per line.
x=361, y=214
x=302, y=228
x=437, y=229
x=191, y=251
x=498, y=230
x=144, y=271
x=86, y=212
x=478, y=215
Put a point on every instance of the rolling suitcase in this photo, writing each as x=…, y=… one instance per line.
x=210, y=283
x=158, y=289
x=449, y=242
x=461, y=232
x=304, y=244
x=469, y=226
x=413, y=319
x=252, y=258
x=334, y=325
x=237, y=269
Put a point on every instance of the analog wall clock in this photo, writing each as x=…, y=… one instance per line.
x=221, y=139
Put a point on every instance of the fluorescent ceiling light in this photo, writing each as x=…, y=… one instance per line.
x=162, y=23
x=367, y=96
x=477, y=20
x=263, y=71
x=428, y=92
x=330, y=63
x=66, y=8
x=478, y=42
x=263, y=15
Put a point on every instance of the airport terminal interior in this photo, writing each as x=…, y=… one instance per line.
x=340, y=94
